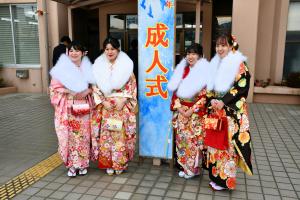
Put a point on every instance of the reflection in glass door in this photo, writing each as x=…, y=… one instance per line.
x=185, y=32
x=124, y=28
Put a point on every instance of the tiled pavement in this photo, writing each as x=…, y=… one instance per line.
x=26, y=132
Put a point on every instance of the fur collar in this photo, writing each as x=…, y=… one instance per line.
x=108, y=80
x=72, y=77
x=193, y=83
x=223, y=71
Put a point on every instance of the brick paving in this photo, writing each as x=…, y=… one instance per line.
x=27, y=136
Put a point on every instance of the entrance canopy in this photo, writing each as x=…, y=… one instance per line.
x=79, y=3
x=82, y=3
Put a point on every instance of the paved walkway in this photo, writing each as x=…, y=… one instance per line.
x=26, y=133
x=27, y=137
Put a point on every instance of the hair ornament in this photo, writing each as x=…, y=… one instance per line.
x=234, y=43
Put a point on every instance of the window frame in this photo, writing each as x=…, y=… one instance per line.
x=286, y=69
x=15, y=65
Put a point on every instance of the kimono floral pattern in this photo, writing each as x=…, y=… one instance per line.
x=189, y=132
x=223, y=163
x=73, y=132
x=116, y=148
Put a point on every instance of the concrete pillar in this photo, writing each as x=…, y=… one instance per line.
x=265, y=39
x=198, y=21
x=245, y=27
x=43, y=40
x=207, y=23
x=279, y=38
x=70, y=23
x=57, y=24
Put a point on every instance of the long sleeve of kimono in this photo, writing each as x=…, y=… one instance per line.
x=239, y=90
x=57, y=92
x=197, y=107
x=97, y=95
x=175, y=102
x=131, y=89
x=200, y=104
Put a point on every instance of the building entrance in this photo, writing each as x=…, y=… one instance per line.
x=86, y=30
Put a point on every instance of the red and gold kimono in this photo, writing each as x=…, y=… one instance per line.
x=189, y=131
x=223, y=163
x=116, y=148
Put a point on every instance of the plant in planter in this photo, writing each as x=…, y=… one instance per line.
x=262, y=83
x=2, y=83
x=293, y=80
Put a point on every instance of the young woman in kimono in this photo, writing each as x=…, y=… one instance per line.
x=188, y=105
x=71, y=77
x=115, y=99
x=227, y=91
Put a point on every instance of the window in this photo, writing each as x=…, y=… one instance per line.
x=117, y=22
x=124, y=28
x=6, y=47
x=19, y=35
x=223, y=24
x=185, y=32
x=292, y=45
x=131, y=21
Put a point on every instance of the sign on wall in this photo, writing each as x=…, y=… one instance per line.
x=156, y=60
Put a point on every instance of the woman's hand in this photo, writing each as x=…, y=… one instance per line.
x=107, y=105
x=83, y=94
x=188, y=113
x=217, y=104
x=181, y=111
x=67, y=91
x=213, y=103
x=120, y=104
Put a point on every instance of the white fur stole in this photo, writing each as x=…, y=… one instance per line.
x=108, y=80
x=223, y=71
x=193, y=83
x=72, y=77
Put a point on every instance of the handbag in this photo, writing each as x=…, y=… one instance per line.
x=112, y=124
x=80, y=107
x=216, y=129
x=213, y=123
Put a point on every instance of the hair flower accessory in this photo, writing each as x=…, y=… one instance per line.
x=234, y=43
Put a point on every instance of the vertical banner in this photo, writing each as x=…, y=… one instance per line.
x=156, y=60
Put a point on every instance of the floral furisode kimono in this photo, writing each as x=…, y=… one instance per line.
x=73, y=132
x=188, y=86
x=230, y=83
x=115, y=81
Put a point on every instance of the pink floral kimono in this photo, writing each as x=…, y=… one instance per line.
x=73, y=132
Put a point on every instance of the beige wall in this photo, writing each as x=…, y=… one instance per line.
x=44, y=46
x=280, y=26
x=57, y=24
x=271, y=40
x=18, y=1
x=265, y=39
x=62, y=19
x=53, y=30
x=185, y=7
x=207, y=21
x=33, y=84
x=245, y=27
